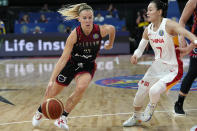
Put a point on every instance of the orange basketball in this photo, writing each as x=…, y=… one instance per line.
x=52, y=108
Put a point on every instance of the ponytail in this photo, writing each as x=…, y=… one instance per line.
x=72, y=11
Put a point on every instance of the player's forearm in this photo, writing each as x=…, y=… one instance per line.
x=112, y=33
x=142, y=45
x=188, y=35
x=190, y=47
x=182, y=22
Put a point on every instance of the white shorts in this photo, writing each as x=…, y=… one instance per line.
x=169, y=74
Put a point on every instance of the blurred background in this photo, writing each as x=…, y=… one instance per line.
x=27, y=28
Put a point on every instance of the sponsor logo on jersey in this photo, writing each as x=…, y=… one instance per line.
x=161, y=32
x=83, y=56
x=131, y=82
x=157, y=40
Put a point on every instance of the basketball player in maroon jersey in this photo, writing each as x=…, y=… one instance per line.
x=77, y=60
x=190, y=8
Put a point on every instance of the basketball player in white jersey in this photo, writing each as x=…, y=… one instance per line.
x=167, y=68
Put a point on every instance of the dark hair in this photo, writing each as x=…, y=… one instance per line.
x=161, y=6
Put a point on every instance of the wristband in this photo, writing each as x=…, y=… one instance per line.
x=195, y=42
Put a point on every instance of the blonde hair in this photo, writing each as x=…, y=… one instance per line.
x=73, y=11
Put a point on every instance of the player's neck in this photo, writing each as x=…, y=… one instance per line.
x=156, y=24
x=87, y=31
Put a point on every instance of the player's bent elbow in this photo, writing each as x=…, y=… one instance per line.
x=111, y=28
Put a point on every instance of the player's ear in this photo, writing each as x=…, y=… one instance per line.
x=79, y=19
x=160, y=12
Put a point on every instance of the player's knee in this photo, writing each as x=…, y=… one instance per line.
x=157, y=89
x=185, y=89
x=142, y=90
x=153, y=92
x=140, y=95
x=81, y=88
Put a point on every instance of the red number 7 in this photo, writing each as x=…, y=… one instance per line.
x=160, y=50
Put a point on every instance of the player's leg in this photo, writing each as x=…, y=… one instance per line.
x=138, y=103
x=82, y=82
x=143, y=88
x=185, y=86
x=83, y=75
x=170, y=76
x=154, y=94
x=63, y=79
x=51, y=92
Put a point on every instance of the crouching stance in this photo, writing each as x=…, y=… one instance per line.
x=167, y=68
x=77, y=60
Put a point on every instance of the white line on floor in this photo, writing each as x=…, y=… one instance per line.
x=88, y=116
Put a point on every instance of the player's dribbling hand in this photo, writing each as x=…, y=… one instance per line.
x=133, y=59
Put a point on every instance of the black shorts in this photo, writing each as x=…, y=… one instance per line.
x=72, y=69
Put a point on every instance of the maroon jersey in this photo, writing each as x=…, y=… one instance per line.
x=87, y=47
x=194, y=30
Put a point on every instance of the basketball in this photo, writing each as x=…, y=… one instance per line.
x=52, y=108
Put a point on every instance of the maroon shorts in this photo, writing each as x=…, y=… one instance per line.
x=72, y=69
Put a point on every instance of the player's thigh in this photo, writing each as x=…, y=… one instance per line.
x=83, y=80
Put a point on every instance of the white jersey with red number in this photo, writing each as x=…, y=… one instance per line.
x=163, y=44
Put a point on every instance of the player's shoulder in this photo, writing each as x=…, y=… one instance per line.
x=170, y=23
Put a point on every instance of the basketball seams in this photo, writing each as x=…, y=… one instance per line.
x=47, y=108
x=62, y=107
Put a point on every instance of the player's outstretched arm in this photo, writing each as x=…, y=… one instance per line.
x=186, y=14
x=108, y=30
x=173, y=28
